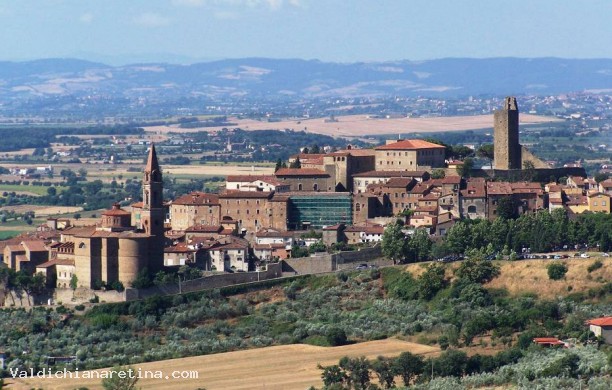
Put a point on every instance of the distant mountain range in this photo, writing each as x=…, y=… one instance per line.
x=261, y=77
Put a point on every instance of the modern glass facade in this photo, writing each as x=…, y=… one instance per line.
x=319, y=210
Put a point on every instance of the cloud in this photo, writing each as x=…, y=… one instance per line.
x=271, y=4
x=225, y=15
x=149, y=19
x=87, y=17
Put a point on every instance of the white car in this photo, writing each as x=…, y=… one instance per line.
x=584, y=255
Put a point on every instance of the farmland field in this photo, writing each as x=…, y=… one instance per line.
x=278, y=367
x=360, y=125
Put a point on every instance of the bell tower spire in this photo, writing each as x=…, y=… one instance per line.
x=152, y=215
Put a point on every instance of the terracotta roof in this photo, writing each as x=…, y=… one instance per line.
x=236, y=244
x=56, y=262
x=399, y=182
x=245, y=194
x=268, y=246
x=499, y=188
x=385, y=174
x=446, y=180
x=602, y=321
x=475, y=189
x=116, y=210
x=204, y=229
x=426, y=209
x=300, y=172
x=248, y=178
x=137, y=205
x=606, y=183
x=180, y=248
x=78, y=230
x=368, y=229
x=197, y=198
x=577, y=200
x=356, y=152
x=409, y=144
x=420, y=188
x=294, y=194
x=35, y=246
x=272, y=233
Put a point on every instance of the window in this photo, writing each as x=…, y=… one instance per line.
x=300, y=187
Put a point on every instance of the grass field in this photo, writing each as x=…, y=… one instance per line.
x=33, y=190
x=360, y=125
x=6, y=234
x=283, y=367
x=531, y=276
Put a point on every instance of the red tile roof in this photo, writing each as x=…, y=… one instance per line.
x=248, y=178
x=244, y=194
x=116, y=211
x=386, y=174
x=409, y=144
x=197, y=198
x=301, y=172
x=399, y=182
x=602, y=321
x=204, y=229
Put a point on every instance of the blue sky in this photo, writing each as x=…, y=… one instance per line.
x=330, y=30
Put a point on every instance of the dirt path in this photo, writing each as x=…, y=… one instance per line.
x=280, y=367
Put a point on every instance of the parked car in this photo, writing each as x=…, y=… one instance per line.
x=584, y=256
x=605, y=254
x=361, y=267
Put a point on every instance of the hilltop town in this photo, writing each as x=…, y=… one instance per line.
x=316, y=202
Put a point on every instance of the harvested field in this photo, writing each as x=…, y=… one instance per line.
x=43, y=211
x=361, y=125
x=216, y=170
x=280, y=367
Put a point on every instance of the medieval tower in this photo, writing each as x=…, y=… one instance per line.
x=152, y=215
x=507, y=150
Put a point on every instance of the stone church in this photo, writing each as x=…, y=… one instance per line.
x=115, y=250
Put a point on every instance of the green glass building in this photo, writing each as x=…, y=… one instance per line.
x=318, y=209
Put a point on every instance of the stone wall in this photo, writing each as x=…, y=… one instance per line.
x=83, y=295
x=209, y=282
x=332, y=262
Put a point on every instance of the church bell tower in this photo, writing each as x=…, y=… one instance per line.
x=152, y=216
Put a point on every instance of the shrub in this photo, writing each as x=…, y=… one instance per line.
x=597, y=264
x=336, y=336
x=79, y=307
x=556, y=271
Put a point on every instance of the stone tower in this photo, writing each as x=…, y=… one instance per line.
x=152, y=215
x=507, y=150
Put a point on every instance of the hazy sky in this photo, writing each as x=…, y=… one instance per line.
x=329, y=30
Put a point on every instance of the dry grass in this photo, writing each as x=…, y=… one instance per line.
x=360, y=125
x=531, y=276
x=279, y=367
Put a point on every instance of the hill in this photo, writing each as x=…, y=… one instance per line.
x=284, y=78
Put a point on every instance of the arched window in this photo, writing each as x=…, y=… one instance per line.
x=315, y=187
x=82, y=245
x=300, y=187
x=472, y=209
